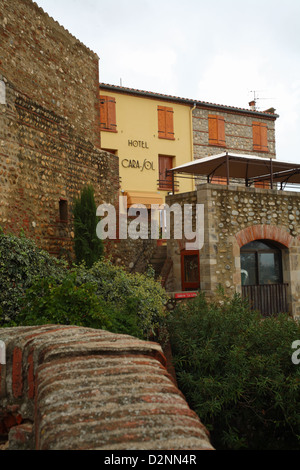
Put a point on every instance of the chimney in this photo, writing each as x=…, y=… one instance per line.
x=252, y=105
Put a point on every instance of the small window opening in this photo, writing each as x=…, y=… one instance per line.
x=63, y=210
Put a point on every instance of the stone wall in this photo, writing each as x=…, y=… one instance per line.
x=72, y=388
x=49, y=127
x=233, y=217
x=44, y=164
x=46, y=63
x=238, y=132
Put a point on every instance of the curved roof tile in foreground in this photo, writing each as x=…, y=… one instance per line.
x=91, y=389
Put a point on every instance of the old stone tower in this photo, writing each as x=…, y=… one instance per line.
x=49, y=127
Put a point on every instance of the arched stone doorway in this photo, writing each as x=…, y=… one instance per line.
x=269, y=290
x=262, y=276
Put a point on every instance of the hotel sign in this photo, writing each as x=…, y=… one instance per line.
x=137, y=164
x=138, y=143
x=145, y=165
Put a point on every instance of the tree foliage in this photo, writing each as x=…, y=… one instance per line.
x=235, y=369
x=87, y=246
x=20, y=263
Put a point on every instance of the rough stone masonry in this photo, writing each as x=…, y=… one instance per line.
x=49, y=127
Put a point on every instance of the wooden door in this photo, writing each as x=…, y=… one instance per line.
x=165, y=181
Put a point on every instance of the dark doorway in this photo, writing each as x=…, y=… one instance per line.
x=262, y=278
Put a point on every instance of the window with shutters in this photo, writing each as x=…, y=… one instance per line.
x=260, y=136
x=219, y=180
x=216, y=130
x=108, y=113
x=165, y=122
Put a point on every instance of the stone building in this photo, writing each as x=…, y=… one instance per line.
x=250, y=236
x=220, y=128
x=167, y=131
x=49, y=127
x=152, y=133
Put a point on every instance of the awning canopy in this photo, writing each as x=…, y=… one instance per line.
x=247, y=167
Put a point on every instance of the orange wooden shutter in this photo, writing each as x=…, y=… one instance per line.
x=108, y=113
x=221, y=130
x=103, y=112
x=256, y=135
x=161, y=122
x=219, y=180
x=165, y=122
x=264, y=137
x=169, y=123
x=262, y=184
x=260, y=136
x=213, y=130
x=216, y=130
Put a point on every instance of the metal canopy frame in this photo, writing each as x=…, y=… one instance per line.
x=239, y=166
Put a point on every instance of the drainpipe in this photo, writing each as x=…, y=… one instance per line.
x=192, y=135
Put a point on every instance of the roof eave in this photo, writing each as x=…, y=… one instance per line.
x=186, y=101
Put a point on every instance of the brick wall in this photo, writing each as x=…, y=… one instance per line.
x=45, y=62
x=49, y=127
x=71, y=388
x=44, y=160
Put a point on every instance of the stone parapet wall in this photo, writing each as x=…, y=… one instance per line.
x=73, y=388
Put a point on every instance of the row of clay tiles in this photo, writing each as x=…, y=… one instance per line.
x=66, y=387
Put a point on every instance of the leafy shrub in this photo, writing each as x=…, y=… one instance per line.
x=136, y=299
x=236, y=371
x=67, y=303
x=36, y=288
x=20, y=263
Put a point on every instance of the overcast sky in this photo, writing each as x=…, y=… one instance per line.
x=220, y=51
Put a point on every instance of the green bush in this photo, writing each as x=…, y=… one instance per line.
x=236, y=372
x=36, y=288
x=20, y=263
x=67, y=303
x=137, y=300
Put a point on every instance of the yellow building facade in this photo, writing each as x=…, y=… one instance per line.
x=150, y=134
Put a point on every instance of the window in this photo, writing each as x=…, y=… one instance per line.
x=190, y=272
x=260, y=136
x=165, y=123
x=219, y=180
x=261, y=263
x=108, y=113
x=165, y=163
x=262, y=184
x=63, y=210
x=216, y=130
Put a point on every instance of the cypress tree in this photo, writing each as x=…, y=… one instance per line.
x=88, y=247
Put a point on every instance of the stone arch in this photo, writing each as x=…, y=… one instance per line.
x=276, y=234
x=264, y=232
